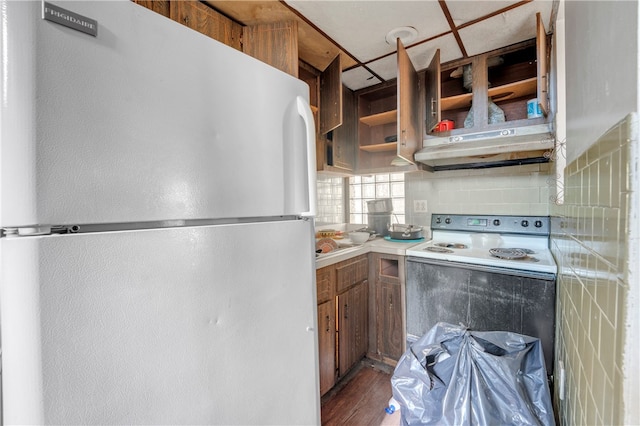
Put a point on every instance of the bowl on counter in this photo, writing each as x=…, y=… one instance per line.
x=359, y=237
x=405, y=232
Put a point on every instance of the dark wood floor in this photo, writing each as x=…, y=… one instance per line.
x=360, y=398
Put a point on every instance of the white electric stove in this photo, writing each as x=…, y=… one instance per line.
x=515, y=242
x=490, y=273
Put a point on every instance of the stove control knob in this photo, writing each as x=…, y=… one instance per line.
x=538, y=224
x=438, y=220
x=524, y=223
x=496, y=222
x=447, y=220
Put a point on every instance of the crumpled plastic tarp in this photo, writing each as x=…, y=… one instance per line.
x=456, y=376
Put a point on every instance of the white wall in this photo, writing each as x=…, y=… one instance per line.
x=517, y=190
x=601, y=66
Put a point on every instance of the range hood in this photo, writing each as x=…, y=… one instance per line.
x=493, y=148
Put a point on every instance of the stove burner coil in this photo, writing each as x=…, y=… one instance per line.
x=526, y=250
x=452, y=245
x=508, y=253
x=439, y=250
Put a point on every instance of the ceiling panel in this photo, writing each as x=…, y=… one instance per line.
x=360, y=27
x=357, y=28
x=359, y=78
x=464, y=11
x=422, y=54
x=505, y=29
x=387, y=67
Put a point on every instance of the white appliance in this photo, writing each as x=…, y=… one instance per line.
x=488, y=272
x=156, y=205
x=514, y=242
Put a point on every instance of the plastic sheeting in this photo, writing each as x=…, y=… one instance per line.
x=456, y=376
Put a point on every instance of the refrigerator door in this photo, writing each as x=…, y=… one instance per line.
x=194, y=325
x=147, y=121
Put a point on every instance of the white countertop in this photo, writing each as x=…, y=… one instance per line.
x=377, y=245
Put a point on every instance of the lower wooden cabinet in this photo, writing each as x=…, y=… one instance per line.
x=327, y=345
x=326, y=290
x=352, y=326
x=360, y=313
x=342, y=292
x=389, y=310
x=387, y=341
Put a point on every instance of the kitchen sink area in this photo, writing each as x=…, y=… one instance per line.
x=344, y=248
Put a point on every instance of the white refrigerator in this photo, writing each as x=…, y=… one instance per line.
x=156, y=205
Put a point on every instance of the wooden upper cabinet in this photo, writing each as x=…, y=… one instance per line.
x=207, y=21
x=490, y=91
x=275, y=44
x=158, y=6
x=331, y=97
x=433, y=92
x=345, y=135
x=409, y=129
x=542, y=65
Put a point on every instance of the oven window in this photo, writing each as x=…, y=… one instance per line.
x=482, y=298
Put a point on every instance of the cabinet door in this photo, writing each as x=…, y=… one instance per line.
x=275, y=44
x=325, y=284
x=344, y=137
x=207, y=21
x=361, y=316
x=331, y=97
x=327, y=345
x=433, y=92
x=409, y=130
x=542, y=64
x=352, y=326
x=389, y=319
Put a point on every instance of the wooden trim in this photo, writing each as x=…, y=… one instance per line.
x=452, y=25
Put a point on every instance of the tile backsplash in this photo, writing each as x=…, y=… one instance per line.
x=590, y=241
x=519, y=190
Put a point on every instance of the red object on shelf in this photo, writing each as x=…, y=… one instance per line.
x=444, y=125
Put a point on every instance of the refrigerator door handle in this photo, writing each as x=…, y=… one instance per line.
x=305, y=112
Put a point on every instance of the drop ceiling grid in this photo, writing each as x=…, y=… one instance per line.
x=507, y=28
x=420, y=56
x=360, y=27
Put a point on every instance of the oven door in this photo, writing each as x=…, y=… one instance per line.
x=483, y=298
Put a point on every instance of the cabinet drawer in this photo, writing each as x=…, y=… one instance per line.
x=324, y=284
x=351, y=272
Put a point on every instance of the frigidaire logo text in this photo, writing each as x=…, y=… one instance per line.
x=70, y=19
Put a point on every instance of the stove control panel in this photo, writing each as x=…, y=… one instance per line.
x=529, y=225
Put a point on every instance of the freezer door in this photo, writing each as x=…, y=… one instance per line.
x=147, y=121
x=201, y=325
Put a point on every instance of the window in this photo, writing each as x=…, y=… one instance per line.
x=366, y=188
